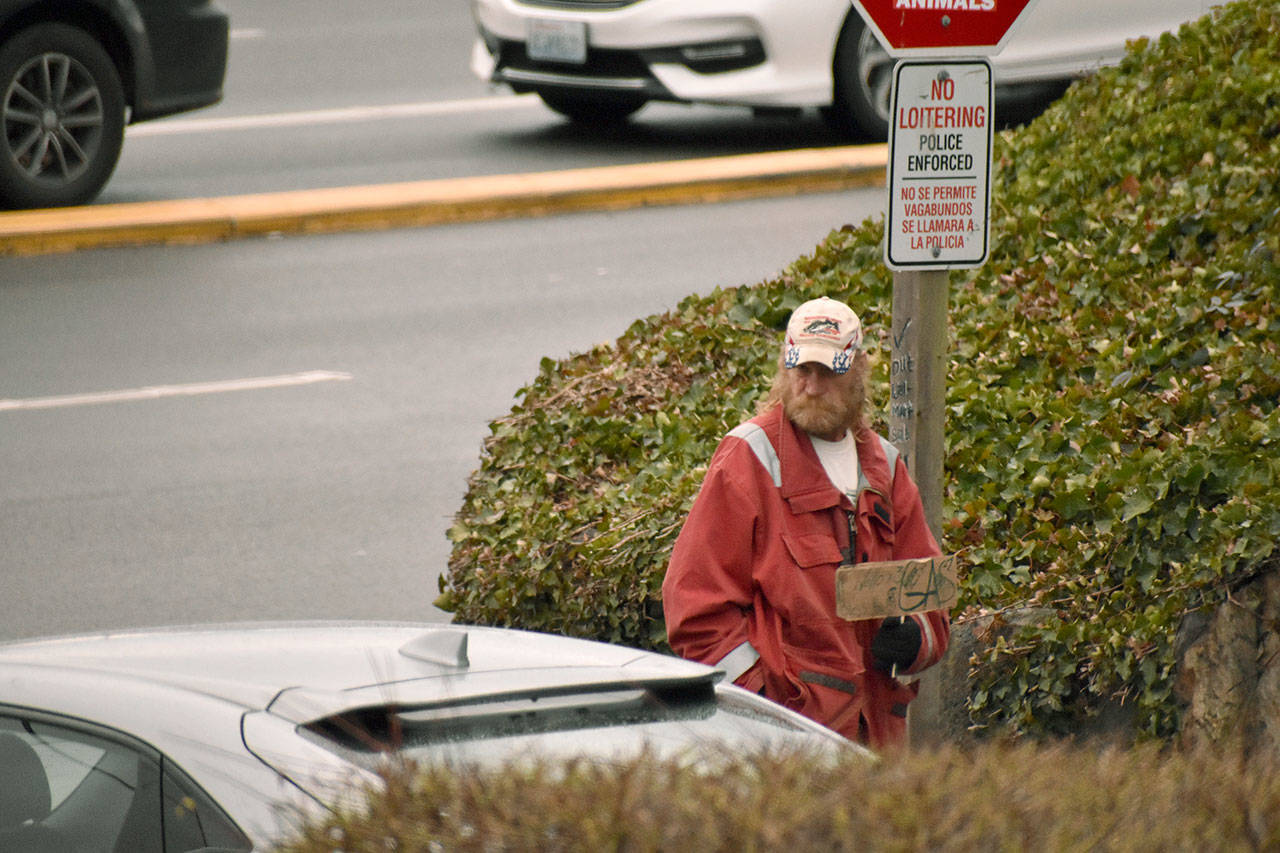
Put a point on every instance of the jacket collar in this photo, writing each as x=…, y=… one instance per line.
x=805, y=484
x=873, y=464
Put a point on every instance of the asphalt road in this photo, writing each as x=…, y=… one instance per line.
x=326, y=491
x=337, y=94
x=341, y=94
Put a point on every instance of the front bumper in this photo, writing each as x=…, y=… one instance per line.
x=753, y=53
x=612, y=69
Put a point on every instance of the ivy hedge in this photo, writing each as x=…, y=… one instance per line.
x=1112, y=422
x=991, y=796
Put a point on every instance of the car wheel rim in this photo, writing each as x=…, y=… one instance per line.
x=53, y=118
x=875, y=73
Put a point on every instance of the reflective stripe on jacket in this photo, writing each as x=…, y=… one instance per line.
x=751, y=582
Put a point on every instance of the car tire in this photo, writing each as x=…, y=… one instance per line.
x=592, y=108
x=862, y=73
x=62, y=114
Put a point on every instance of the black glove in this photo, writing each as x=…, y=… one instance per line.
x=896, y=643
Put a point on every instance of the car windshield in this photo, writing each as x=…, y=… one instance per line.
x=689, y=721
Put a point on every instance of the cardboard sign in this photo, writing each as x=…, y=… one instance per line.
x=896, y=588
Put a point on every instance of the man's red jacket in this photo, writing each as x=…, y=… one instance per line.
x=751, y=583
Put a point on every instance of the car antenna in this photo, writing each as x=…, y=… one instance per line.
x=446, y=647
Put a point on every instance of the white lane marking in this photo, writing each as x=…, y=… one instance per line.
x=155, y=392
x=247, y=33
x=337, y=115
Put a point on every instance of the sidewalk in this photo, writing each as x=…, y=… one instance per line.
x=444, y=201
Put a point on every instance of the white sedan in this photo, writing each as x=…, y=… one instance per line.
x=598, y=61
x=218, y=737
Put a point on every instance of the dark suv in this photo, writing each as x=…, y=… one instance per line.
x=73, y=73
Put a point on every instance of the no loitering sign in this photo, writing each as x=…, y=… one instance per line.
x=939, y=165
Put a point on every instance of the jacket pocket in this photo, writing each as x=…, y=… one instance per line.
x=809, y=550
x=831, y=700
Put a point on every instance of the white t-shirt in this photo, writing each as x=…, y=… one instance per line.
x=840, y=460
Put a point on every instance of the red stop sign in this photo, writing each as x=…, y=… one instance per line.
x=914, y=27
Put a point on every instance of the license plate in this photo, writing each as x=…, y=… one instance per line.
x=557, y=41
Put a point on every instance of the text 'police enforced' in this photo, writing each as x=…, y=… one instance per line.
x=939, y=165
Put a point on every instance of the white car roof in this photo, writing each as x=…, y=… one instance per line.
x=262, y=715
x=327, y=666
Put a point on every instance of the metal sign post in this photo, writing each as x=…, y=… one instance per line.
x=937, y=220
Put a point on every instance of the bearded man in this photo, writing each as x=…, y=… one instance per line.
x=789, y=496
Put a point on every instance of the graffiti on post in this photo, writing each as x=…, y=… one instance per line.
x=902, y=369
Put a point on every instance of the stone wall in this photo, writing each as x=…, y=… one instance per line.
x=1228, y=677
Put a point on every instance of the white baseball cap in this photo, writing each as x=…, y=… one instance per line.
x=825, y=331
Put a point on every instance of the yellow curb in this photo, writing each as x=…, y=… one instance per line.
x=437, y=202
